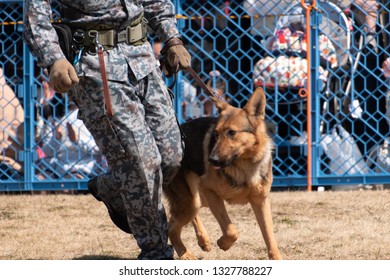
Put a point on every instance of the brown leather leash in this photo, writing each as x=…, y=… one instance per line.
x=171, y=70
x=107, y=98
x=205, y=88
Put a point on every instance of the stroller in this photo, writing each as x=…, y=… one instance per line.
x=282, y=72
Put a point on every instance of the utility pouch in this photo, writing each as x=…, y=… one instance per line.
x=65, y=37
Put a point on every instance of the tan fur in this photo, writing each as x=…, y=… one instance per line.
x=245, y=177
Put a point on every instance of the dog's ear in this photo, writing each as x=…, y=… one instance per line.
x=256, y=104
x=219, y=103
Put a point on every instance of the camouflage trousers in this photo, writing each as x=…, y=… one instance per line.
x=142, y=144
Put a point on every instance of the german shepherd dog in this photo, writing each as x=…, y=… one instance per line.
x=228, y=158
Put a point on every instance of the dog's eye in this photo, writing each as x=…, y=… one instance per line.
x=231, y=133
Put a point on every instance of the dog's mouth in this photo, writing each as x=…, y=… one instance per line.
x=216, y=167
x=217, y=163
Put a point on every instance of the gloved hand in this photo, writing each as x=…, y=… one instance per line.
x=62, y=76
x=176, y=56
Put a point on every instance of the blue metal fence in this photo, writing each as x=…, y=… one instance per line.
x=235, y=48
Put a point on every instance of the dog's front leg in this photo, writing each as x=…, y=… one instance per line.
x=262, y=210
x=217, y=207
x=201, y=234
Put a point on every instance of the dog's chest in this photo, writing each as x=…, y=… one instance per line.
x=237, y=187
x=240, y=178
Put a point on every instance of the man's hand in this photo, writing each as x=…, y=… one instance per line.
x=62, y=76
x=176, y=55
x=386, y=68
x=73, y=136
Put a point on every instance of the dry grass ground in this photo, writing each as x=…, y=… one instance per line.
x=318, y=225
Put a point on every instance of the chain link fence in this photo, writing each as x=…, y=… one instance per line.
x=240, y=45
x=323, y=69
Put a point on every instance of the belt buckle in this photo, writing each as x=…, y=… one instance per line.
x=133, y=34
x=107, y=38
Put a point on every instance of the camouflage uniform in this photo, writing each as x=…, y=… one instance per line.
x=141, y=140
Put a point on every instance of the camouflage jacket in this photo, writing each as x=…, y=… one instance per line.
x=42, y=39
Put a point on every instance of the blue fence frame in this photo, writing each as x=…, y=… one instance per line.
x=220, y=37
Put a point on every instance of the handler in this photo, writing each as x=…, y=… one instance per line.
x=122, y=100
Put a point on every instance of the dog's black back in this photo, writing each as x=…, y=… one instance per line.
x=195, y=132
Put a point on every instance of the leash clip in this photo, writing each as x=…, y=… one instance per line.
x=94, y=38
x=78, y=55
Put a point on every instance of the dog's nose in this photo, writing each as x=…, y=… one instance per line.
x=215, y=161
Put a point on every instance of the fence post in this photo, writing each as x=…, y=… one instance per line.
x=310, y=92
x=29, y=133
x=315, y=87
x=178, y=89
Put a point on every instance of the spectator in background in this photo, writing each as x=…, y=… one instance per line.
x=11, y=129
x=370, y=87
x=157, y=47
x=191, y=106
x=265, y=14
x=386, y=71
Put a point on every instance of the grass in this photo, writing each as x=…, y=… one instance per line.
x=350, y=225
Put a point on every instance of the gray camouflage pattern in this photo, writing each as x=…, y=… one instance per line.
x=141, y=141
x=42, y=40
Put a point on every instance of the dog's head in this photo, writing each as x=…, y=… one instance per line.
x=240, y=134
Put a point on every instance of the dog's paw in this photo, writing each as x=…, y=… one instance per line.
x=225, y=242
x=274, y=255
x=205, y=245
x=188, y=256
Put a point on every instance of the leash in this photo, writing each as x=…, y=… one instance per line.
x=169, y=72
x=205, y=88
x=107, y=98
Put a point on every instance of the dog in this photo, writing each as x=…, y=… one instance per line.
x=228, y=158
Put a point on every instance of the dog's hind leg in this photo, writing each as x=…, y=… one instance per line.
x=184, y=207
x=229, y=232
x=175, y=230
x=201, y=234
x=262, y=210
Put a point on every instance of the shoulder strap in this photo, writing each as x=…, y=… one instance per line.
x=126, y=22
